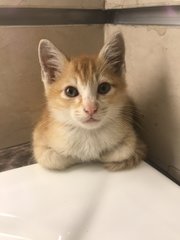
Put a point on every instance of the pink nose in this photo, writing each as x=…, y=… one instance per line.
x=90, y=109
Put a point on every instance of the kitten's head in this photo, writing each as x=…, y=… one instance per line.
x=86, y=91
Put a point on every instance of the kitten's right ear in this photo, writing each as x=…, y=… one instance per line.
x=52, y=61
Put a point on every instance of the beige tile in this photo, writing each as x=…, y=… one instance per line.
x=139, y=3
x=53, y=4
x=21, y=90
x=153, y=76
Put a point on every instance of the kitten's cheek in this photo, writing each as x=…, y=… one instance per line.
x=74, y=116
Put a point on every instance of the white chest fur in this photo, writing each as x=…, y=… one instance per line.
x=87, y=145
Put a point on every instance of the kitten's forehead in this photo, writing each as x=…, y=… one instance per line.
x=85, y=70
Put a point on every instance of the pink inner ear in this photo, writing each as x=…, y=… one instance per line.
x=90, y=108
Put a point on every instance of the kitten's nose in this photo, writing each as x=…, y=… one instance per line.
x=91, y=109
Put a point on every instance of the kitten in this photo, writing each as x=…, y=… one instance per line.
x=88, y=115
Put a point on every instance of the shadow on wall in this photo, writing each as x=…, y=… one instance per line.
x=160, y=126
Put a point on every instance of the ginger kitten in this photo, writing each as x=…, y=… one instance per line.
x=88, y=115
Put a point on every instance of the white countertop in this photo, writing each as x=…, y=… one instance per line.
x=88, y=203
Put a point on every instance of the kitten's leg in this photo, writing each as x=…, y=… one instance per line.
x=50, y=159
x=125, y=156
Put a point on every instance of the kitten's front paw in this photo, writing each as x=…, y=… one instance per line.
x=125, y=164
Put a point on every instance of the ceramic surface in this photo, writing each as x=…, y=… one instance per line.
x=88, y=203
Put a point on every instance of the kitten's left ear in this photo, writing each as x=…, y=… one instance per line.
x=112, y=55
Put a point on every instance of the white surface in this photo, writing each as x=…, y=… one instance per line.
x=88, y=203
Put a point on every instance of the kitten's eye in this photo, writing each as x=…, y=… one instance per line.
x=104, y=88
x=71, y=91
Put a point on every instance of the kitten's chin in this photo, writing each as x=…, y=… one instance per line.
x=90, y=124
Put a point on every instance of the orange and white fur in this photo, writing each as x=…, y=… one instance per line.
x=88, y=115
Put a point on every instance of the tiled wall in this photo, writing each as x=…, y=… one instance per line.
x=139, y=3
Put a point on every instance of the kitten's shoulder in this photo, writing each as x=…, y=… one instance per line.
x=132, y=114
x=43, y=125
